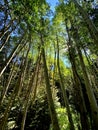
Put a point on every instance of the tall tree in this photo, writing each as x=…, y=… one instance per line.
x=71, y=124
x=93, y=102
x=90, y=25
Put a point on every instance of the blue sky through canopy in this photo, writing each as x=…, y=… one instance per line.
x=52, y=3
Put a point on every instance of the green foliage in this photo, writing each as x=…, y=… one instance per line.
x=63, y=119
x=25, y=23
x=62, y=116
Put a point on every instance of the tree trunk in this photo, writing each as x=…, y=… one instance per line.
x=5, y=29
x=10, y=103
x=4, y=43
x=7, y=38
x=71, y=124
x=92, y=100
x=49, y=94
x=80, y=98
x=7, y=86
x=91, y=27
x=30, y=90
x=92, y=70
x=11, y=56
x=23, y=70
x=78, y=87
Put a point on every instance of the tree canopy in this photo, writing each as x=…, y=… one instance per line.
x=48, y=65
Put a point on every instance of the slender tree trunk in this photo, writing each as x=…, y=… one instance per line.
x=11, y=57
x=4, y=30
x=54, y=65
x=78, y=87
x=10, y=103
x=48, y=90
x=91, y=27
x=92, y=100
x=92, y=71
x=80, y=98
x=37, y=76
x=24, y=114
x=4, y=43
x=71, y=124
x=7, y=86
x=7, y=38
x=23, y=70
x=30, y=90
x=6, y=113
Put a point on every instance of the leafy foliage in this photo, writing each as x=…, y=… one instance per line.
x=40, y=52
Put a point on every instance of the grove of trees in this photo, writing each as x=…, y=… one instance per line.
x=48, y=65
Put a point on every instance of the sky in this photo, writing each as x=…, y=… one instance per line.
x=52, y=3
